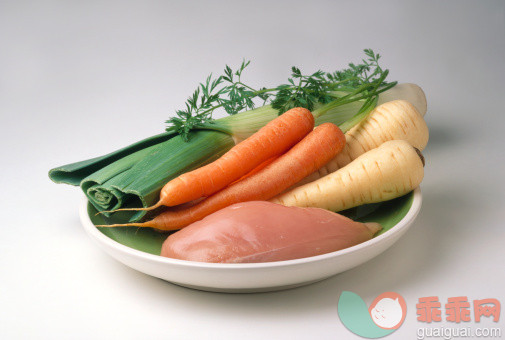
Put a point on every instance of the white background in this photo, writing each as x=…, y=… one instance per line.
x=80, y=79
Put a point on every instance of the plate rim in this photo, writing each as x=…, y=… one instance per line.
x=93, y=231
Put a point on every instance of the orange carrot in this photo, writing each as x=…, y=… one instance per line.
x=257, y=169
x=273, y=139
x=315, y=150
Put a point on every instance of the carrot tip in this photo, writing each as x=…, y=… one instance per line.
x=157, y=205
x=120, y=225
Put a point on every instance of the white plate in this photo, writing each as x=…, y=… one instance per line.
x=251, y=277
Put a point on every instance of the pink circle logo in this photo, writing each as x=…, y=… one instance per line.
x=388, y=310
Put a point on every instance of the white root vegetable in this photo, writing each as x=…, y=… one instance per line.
x=395, y=120
x=389, y=171
x=406, y=91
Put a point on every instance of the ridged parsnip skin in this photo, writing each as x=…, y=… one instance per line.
x=389, y=171
x=394, y=120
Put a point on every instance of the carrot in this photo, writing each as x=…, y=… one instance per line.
x=317, y=148
x=396, y=119
x=273, y=139
x=257, y=169
x=389, y=171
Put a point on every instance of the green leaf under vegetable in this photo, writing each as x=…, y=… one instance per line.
x=148, y=240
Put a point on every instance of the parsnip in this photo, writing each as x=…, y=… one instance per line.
x=406, y=91
x=396, y=119
x=389, y=171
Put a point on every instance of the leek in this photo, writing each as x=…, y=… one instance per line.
x=136, y=180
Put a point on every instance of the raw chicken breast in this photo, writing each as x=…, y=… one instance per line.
x=261, y=231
